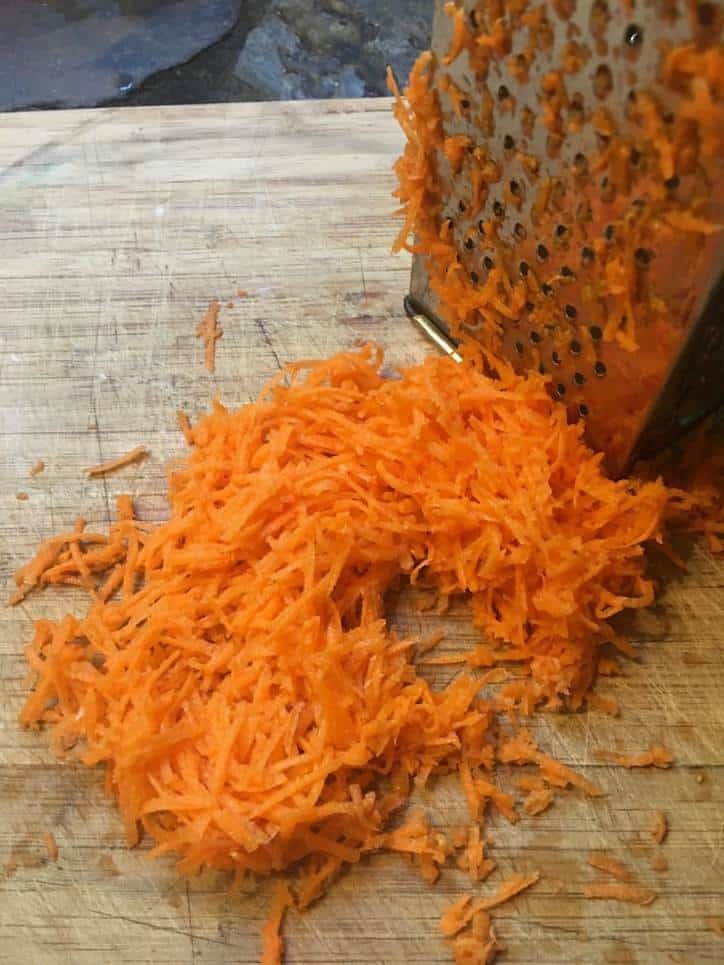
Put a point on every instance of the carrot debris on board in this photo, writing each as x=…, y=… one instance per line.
x=655, y=756
x=234, y=671
x=22, y=497
x=209, y=332
x=538, y=801
x=104, y=468
x=51, y=844
x=461, y=912
x=38, y=467
x=619, y=891
x=610, y=866
x=659, y=827
x=272, y=944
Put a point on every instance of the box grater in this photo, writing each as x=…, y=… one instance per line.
x=602, y=199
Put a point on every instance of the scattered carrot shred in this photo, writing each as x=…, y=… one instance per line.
x=655, y=756
x=51, y=844
x=37, y=468
x=104, y=468
x=209, y=332
x=537, y=801
x=272, y=944
x=619, y=891
x=457, y=916
x=659, y=827
x=610, y=866
x=22, y=497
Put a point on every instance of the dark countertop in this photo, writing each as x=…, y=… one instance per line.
x=70, y=53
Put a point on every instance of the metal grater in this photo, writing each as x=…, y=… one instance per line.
x=563, y=206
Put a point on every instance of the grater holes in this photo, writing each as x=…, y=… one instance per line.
x=570, y=311
x=633, y=36
x=672, y=183
x=523, y=268
x=609, y=232
x=567, y=273
x=599, y=369
x=583, y=410
x=602, y=81
x=541, y=251
x=587, y=255
x=608, y=191
x=503, y=93
x=535, y=337
x=580, y=165
x=547, y=289
x=488, y=263
x=579, y=378
x=560, y=389
x=462, y=207
x=519, y=231
x=595, y=332
x=555, y=358
x=575, y=348
x=474, y=277
x=554, y=140
x=584, y=212
x=643, y=257
x=469, y=243
x=706, y=14
x=519, y=347
x=498, y=209
x=508, y=142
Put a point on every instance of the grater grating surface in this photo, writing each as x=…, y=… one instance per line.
x=578, y=180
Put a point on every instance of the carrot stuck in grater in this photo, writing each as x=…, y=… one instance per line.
x=563, y=194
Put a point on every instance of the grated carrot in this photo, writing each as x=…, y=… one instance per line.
x=22, y=497
x=538, y=800
x=272, y=945
x=610, y=866
x=659, y=827
x=656, y=756
x=234, y=672
x=51, y=844
x=103, y=468
x=209, y=332
x=37, y=468
x=633, y=894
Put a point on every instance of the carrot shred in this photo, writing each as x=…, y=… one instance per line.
x=37, y=468
x=104, y=468
x=461, y=912
x=538, y=801
x=22, y=497
x=655, y=756
x=272, y=944
x=619, y=891
x=659, y=827
x=51, y=844
x=610, y=866
x=209, y=332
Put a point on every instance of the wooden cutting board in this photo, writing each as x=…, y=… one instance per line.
x=116, y=229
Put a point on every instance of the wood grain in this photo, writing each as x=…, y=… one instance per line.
x=116, y=229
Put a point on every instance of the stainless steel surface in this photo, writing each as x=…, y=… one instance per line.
x=564, y=121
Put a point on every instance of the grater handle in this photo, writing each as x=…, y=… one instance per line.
x=431, y=329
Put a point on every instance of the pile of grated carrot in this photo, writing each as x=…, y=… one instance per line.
x=235, y=672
